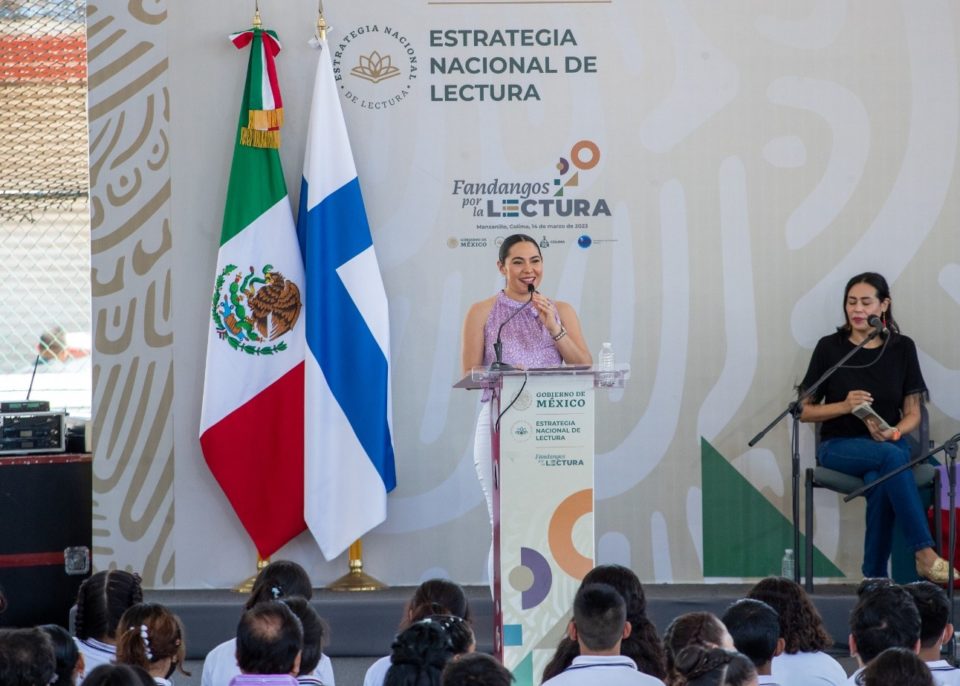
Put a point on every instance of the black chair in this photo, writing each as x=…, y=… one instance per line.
x=926, y=475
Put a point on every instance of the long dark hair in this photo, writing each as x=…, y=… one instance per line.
x=883, y=293
x=436, y=597
x=642, y=645
x=511, y=241
x=801, y=626
x=280, y=579
x=65, y=652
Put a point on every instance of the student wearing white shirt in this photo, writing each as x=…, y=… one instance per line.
x=804, y=661
x=935, y=630
x=599, y=625
x=433, y=596
x=101, y=600
x=278, y=580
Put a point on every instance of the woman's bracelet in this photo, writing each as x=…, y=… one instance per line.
x=896, y=434
x=560, y=334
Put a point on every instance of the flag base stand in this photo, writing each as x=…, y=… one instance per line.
x=246, y=586
x=356, y=579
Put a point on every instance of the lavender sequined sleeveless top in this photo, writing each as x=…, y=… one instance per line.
x=526, y=342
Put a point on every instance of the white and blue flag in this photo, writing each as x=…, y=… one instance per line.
x=348, y=448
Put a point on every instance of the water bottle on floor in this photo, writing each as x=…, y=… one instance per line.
x=786, y=565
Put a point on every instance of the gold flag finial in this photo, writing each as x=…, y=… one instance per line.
x=257, y=21
x=321, y=22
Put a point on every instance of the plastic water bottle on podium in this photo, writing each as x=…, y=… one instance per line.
x=605, y=365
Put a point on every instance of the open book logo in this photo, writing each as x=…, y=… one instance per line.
x=375, y=68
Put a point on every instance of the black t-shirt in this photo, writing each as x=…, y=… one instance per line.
x=893, y=373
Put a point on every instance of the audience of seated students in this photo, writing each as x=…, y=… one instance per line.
x=269, y=643
x=755, y=629
x=643, y=644
x=314, y=630
x=897, y=634
x=26, y=658
x=701, y=629
x=897, y=667
x=421, y=651
x=101, y=601
x=884, y=617
x=599, y=624
x=432, y=597
x=278, y=580
x=151, y=637
x=475, y=669
x=935, y=630
x=69, y=661
x=701, y=666
x=803, y=660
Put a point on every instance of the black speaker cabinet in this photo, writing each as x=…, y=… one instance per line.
x=46, y=509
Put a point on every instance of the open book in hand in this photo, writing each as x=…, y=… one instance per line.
x=863, y=411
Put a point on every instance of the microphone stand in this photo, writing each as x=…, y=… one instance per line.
x=949, y=448
x=498, y=365
x=795, y=409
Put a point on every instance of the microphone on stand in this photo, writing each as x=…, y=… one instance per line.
x=877, y=324
x=498, y=365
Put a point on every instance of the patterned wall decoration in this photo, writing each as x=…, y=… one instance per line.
x=129, y=110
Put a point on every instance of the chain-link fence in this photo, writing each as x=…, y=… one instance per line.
x=44, y=220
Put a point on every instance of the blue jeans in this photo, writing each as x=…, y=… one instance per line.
x=895, y=499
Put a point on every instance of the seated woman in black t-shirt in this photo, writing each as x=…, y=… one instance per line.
x=886, y=374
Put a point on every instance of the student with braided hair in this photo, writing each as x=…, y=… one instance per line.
x=101, y=601
x=701, y=666
x=692, y=629
x=278, y=580
x=432, y=597
x=151, y=636
x=421, y=651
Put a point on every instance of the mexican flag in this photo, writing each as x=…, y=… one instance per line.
x=251, y=426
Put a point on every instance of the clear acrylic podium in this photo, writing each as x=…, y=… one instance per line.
x=542, y=442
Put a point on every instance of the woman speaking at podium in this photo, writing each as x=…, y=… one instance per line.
x=546, y=334
x=886, y=375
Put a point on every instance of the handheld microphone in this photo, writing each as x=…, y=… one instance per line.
x=877, y=323
x=498, y=364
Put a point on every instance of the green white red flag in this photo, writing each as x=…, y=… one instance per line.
x=252, y=422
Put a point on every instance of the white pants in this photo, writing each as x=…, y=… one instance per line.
x=483, y=462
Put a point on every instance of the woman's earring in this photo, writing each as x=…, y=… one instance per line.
x=883, y=319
